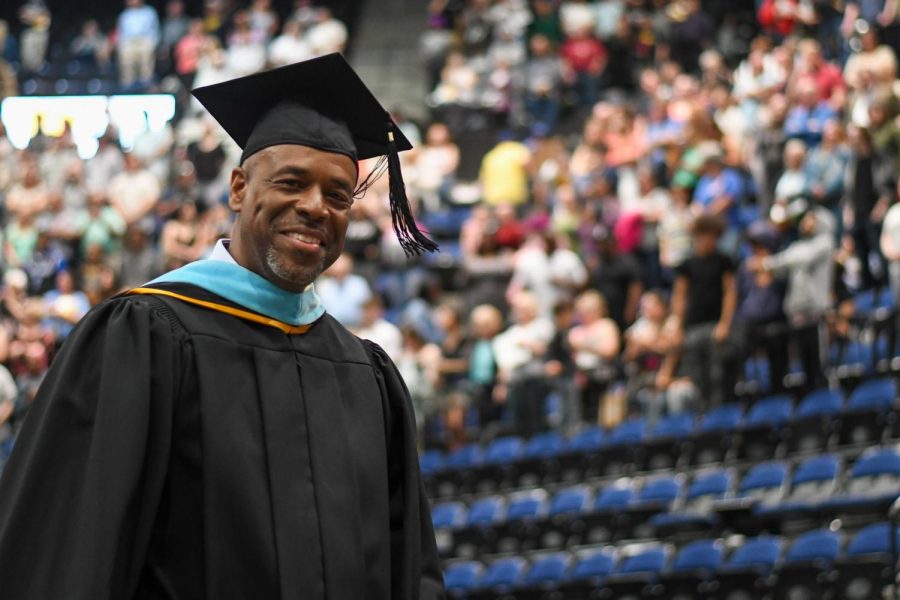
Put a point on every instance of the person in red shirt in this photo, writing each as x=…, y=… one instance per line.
x=827, y=76
x=584, y=57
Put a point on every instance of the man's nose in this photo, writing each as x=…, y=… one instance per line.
x=311, y=203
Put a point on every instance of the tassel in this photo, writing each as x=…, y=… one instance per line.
x=413, y=241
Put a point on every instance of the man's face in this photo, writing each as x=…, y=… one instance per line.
x=292, y=204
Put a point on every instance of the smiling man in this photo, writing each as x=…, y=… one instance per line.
x=215, y=434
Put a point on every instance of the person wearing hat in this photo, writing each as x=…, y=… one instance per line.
x=215, y=433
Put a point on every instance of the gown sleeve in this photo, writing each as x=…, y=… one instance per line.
x=80, y=492
x=415, y=568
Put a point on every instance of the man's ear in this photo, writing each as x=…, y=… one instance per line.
x=238, y=189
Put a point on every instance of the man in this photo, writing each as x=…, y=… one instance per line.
x=214, y=434
x=137, y=36
x=704, y=299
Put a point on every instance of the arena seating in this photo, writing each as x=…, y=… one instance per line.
x=782, y=497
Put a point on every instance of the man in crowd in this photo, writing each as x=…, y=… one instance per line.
x=215, y=434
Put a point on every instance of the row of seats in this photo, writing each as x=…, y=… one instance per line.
x=823, y=419
x=767, y=497
x=812, y=565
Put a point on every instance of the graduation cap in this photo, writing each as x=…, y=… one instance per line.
x=321, y=103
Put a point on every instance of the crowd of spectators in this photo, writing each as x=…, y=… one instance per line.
x=144, y=48
x=670, y=193
x=675, y=189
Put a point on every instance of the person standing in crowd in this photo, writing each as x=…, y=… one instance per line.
x=890, y=242
x=519, y=352
x=595, y=345
x=137, y=35
x=704, y=301
x=807, y=266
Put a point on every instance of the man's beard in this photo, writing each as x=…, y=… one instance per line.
x=299, y=275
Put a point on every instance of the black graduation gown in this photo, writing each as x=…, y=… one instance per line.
x=178, y=452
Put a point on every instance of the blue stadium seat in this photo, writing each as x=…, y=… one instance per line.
x=562, y=515
x=815, y=420
x=807, y=564
x=477, y=535
x=519, y=531
x=873, y=486
x=580, y=453
x=608, y=513
x=430, y=462
x=745, y=574
x=458, y=472
x=714, y=435
x=446, y=516
x=618, y=452
x=814, y=481
x=504, y=450
x=545, y=573
x=761, y=429
x=464, y=457
x=569, y=500
x=765, y=482
x=666, y=441
x=692, y=568
x=461, y=577
x=538, y=463
x=636, y=572
x=497, y=464
x=499, y=578
x=696, y=513
x=869, y=411
x=657, y=495
x=867, y=565
x=589, y=573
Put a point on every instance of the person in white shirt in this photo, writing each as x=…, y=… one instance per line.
x=289, y=47
x=375, y=328
x=518, y=352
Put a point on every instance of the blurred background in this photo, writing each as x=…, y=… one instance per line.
x=656, y=354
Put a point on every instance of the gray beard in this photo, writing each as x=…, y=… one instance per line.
x=287, y=274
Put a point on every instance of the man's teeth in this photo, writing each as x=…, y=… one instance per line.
x=303, y=238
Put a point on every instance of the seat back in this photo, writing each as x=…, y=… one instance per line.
x=772, y=411
x=526, y=505
x=651, y=560
x=764, y=482
x=545, y=445
x=872, y=539
x=874, y=394
x=700, y=555
x=724, y=418
x=504, y=450
x=820, y=402
x=821, y=545
x=876, y=473
x=594, y=564
x=548, y=569
x=676, y=426
x=503, y=572
x=614, y=497
x=663, y=490
x=631, y=431
x=484, y=512
x=448, y=514
x=761, y=552
x=570, y=500
x=431, y=461
x=464, y=457
x=462, y=576
x=707, y=488
x=815, y=479
x=587, y=440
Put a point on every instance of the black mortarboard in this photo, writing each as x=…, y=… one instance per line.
x=321, y=103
